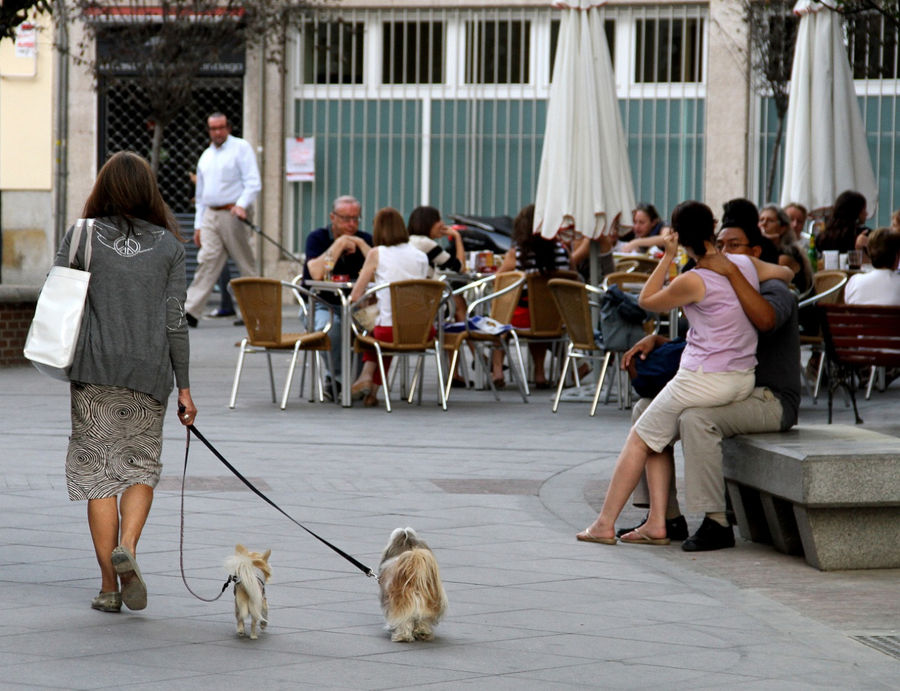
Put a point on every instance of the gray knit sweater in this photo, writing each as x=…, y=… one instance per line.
x=133, y=333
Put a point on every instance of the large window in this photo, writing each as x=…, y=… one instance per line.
x=609, y=28
x=668, y=50
x=333, y=53
x=413, y=53
x=498, y=52
x=872, y=47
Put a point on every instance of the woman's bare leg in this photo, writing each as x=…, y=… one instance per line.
x=103, y=521
x=134, y=508
x=629, y=467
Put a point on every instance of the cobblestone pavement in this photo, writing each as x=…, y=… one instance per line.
x=498, y=490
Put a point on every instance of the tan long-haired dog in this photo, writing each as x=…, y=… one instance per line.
x=412, y=595
x=251, y=572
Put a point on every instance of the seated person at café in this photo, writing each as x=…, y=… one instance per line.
x=339, y=249
x=393, y=258
x=775, y=224
x=426, y=227
x=798, y=214
x=530, y=253
x=646, y=226
x=844, y=229
x=881, y=286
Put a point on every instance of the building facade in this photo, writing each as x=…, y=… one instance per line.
x=446, y=105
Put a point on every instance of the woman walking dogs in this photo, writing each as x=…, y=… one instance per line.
x=133, y=337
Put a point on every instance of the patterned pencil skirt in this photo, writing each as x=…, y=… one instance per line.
x=116, y=441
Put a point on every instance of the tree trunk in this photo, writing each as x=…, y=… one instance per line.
x=155, y=147
x=773, y=161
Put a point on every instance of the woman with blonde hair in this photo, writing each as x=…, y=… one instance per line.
x=133, y=343
x=392, y=258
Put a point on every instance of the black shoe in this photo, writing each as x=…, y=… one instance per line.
x=709, y=536
x=191, y=320
x=327, y=390
x=238, y=322
x=676, y=528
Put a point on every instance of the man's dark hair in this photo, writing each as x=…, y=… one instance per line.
x=742, y=213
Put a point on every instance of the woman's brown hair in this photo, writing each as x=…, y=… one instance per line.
x=388, y=228
x=126, y=187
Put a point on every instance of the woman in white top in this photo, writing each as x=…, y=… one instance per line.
x=881, y=286
x=392, y=259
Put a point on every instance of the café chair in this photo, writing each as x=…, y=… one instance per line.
x=626, y=280
x=261, y=305
x=829, y=289
x=574, y=299
x=415, y=304
x=626, y=265
x=501, y=301
x=857, y=337
x=642, y=263
x=544, y=316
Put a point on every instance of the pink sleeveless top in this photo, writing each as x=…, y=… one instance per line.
x=721, y=337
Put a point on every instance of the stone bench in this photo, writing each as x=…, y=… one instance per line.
x=829, y=492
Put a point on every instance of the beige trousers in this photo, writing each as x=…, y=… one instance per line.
x=221, y=235
x=701, y=431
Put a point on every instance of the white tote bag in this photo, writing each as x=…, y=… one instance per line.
x=51, y=340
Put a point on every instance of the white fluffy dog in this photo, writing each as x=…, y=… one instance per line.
x=251, y=572
x=412, y=596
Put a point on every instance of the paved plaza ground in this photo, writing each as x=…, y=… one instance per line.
x=498, y=490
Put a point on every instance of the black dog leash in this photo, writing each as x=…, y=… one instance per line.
x=191, y=429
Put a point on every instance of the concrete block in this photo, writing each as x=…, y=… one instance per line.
x=779, y=515
x=830, y=492
x=748, y=512
x=850, y=538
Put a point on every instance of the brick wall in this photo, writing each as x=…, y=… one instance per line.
x=16, y=312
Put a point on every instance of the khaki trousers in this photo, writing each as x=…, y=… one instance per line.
x=701, y=431
x=221, y=235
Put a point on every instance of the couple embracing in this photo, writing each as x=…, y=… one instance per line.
x=739, y=373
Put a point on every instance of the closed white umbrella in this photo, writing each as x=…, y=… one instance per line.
x=584, y=178
x=825, y=145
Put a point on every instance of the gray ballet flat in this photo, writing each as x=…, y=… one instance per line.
x=134, y=591
x=107, y=602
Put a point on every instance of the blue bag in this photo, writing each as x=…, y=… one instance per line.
x=658, y=368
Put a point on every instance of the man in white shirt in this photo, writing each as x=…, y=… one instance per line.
x=881, y=286
x=227, y=184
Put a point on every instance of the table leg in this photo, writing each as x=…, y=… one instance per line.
x=346, y=352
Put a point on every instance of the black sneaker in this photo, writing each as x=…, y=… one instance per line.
x=709, y=536
x=676, y=528
x=191, y=320
x=327, y=390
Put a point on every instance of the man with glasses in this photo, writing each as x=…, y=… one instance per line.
x=227, y=185
x=338, y=249
x=772, y=407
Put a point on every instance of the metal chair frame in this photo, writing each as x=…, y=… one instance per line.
x=275, y=339
x=580, y=331
x=828, y=295
x=400, y=346
x=454, y=342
